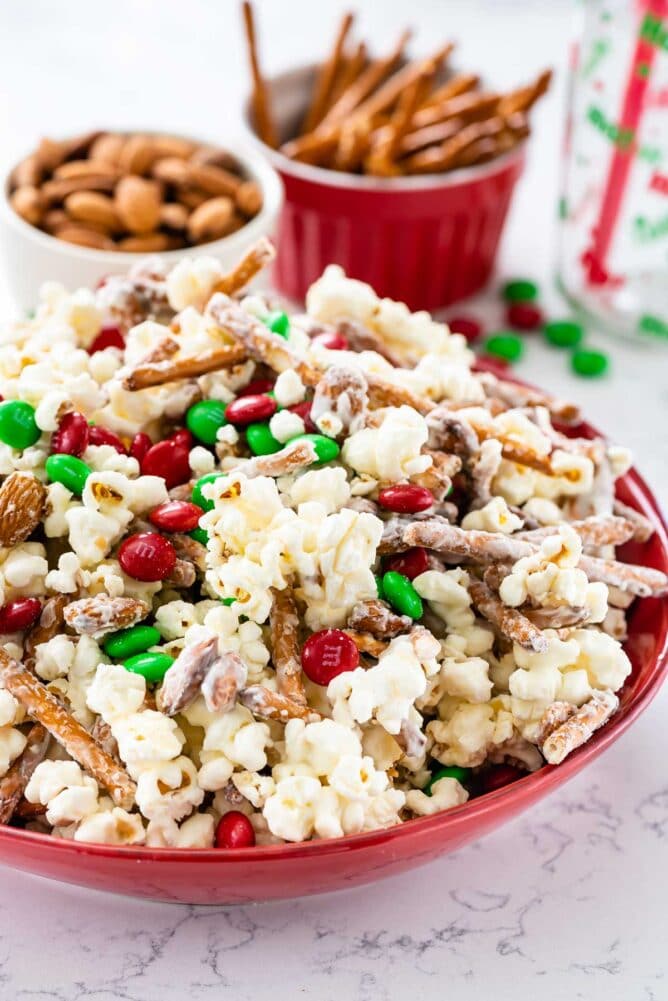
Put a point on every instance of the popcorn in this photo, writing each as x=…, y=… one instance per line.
x=285, y=425
x=61, y=786
x=495, y=516
x=191, y=282
x=289, y=389
x=12, y=743
x=328, y=486
x=201, y=460
x=111, y=827
x=445, y=794
x=115, y=692
x=392, y=451
x=168, y=790
x=146, y=736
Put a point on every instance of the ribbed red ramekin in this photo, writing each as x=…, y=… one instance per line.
x=427, y=241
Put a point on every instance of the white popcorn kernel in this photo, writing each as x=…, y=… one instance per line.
x=445, y=794
x=495, y=516
x=115, y=692
x=111, y=827
x=329, y=424
x=285, y=425
x=12, y=743
x=168, y=790
x=466, y=679
x=201, y=460
x=48, y=410
x=9, y=709
x=227, y=434
x=191, y=282
x=391, y=452
x=54, y=659
x=289, y=389
x=328, y=486
x=147, y=736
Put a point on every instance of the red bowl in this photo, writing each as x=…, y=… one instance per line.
x=427, y=241
x=217, y=876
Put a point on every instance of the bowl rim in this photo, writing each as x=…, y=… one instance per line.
x=532, y=787
x=256, y=165
x=358, y=182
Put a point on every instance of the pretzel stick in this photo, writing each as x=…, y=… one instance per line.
x=295, y=456
x=430, y=135
x=514, y=395
x=489, y=547
x=560, y=617
x=348, y=73
x=445, y=156
x=254, y=260
x=266, y=704
x=454, y=87
x=467, y=108
x=643, y=530
x=579, y=727
x=189, y=367
x=163, y=350
x=393, y=88
x=354, y=143
x=14, y=782
x=598, y=530
x=326, y=77
x=264, y=123
x=366, y=643
x=284, y=628
x=523, y=98
x=508, y=621
x=381, y=159
x=479, y=151
x=254, y=338
x=365, y=84
x=514, y=451
x=102, y=735
x=41, y=705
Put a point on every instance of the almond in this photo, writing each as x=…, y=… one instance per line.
x=171, y=170
x=173, y=146
x=28, y=202
x=51, y=153
x=215, y=157
x=28, y=171
x=102, y=614
x=138, y=204
x=150, y=243
x=192, y=198
x=107, y=148
x=213, y=180
x=56, y=191
x=93, y=207
x=174, y=216
x=82, y=168
x=211, y=220
x=249, y=198
x=22, y=498
x=138, y=155
x=84, y=236
x=54, y=220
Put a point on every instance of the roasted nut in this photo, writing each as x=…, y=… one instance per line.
x=174, y=216
x=212, y=180
x=91, y=207
x=192, y=198
x=82, y=168
x=54, y=220
x=84, y=236
x=171, y=170
x=107, y=148
x=216, y=157
x=56, y=191
x=51, y=153
x=138, y=155
x=138, y=204
x=28, y=202
x=28, y=171
x=249, y=198
x=150, y=243
x=211, y=220
x=173, y=146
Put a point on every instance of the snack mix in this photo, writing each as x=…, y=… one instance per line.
x=265, y=579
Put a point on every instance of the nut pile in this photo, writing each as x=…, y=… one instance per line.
x=270, y=577
x=133, y=192
x=390, y=115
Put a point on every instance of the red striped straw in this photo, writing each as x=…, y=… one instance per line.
x=594, y=259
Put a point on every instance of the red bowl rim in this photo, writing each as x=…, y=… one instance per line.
x=358, y=182
x=534, y=785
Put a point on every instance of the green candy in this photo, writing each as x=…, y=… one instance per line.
x=402, y=595
x=326, y=448
x=451, y=772
x=563, y=333
x=198, y=497
x=279, y=323
x=152, y=666
x=261, y=441
x=199, y=535
x=18, y=427
x=379, y=586
x=228, y=601
x=520, y=290
x=507, y=346
x=590, y=364
x=128, y=642
x=68, y=470
x=204, y=420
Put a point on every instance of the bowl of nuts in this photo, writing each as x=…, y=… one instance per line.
x=75, y=210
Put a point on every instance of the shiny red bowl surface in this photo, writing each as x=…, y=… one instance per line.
x=215, y=876
x=427, y=240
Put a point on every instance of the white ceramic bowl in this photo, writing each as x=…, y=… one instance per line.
x=31, y=257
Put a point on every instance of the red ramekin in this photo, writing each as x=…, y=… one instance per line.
x=427, y=241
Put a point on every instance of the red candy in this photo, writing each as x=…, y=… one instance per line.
x=140, y=446
x=499, y=776
x=256, y=387
x=332, y=340
x=487, y=363
x=411, y=563
x=102, y=436
x=182, y=437
x=327, y=654
x=71, y=436
x=109, y=337
x=235, y=830
x=249, y=409
x=147, y=556
x=524, y=316
x=468, y=326
x=303, y=409
x=176, y=516
x=406, y=498
x=168, y=459
x=19, y=614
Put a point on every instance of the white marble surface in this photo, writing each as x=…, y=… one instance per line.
x=566, y=903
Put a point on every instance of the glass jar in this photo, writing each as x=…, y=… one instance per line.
x=613, y=233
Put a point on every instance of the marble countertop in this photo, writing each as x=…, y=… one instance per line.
x=567, y=901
